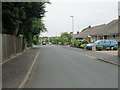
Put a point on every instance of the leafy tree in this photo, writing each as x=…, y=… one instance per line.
x=23, y=18
x=64, y=39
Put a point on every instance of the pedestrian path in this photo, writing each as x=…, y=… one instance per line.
x=109, y=58
x=112, y=52
x=104, y=56
x=14, y=71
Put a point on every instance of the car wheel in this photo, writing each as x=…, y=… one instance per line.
x=111, y=47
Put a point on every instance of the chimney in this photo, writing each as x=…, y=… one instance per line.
x=71, y=32
x=89, y=27
x=77, y=32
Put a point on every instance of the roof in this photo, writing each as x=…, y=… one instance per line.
x=105, y=29
x=110, y=28
x=119, y=8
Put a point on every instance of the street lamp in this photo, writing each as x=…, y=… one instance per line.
x=72, y=23
x=72, y=27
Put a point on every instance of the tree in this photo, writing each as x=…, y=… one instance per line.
x=64, y=39
x=23, y=18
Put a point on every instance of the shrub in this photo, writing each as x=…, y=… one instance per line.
x=83, y=45
x=99, y=48
x=92, y=42
x=69, y=43
x=59, y=43
x=115, y=48
x=85, y=42
x=76, y=43
x=107, y=48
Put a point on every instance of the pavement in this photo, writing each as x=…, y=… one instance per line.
x=106, y=56
x=15, y=70
x=112, y=52
x=58, y=67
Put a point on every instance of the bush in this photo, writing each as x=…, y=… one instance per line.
x=59, y=43
x=115, y=48
x=92, y=42
x=85, y=42
x=107, y=48
x=83, y=45
x=78, y=44
x=99, y=48
x=69, y=43
x=75, y=43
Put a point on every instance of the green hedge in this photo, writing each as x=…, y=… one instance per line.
x=115, y=48
x=99, y=48
x=107, y=48
x=76, y=43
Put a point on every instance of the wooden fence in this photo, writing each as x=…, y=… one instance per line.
x=11, y=45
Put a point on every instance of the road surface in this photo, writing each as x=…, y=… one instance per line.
x=58, y=67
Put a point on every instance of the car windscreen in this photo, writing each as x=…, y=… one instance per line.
x=106, y=41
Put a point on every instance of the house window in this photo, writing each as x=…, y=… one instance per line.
x=105, y=37
x=101, y=42
x=107, y=41
x=114, y=36
x=95, y=38
x=101, y=37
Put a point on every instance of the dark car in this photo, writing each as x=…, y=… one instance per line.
x=44, y=43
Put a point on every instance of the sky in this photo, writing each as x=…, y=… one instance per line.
x=86, y=12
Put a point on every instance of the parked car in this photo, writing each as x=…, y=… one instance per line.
x=104, y=43
x=44, y=43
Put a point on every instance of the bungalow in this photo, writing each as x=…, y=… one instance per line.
x=105, y=31
x=108, y=31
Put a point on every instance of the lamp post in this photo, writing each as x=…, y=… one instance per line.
x=72, y=23
x=72, y=27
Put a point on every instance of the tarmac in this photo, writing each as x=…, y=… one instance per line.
x=15, y=71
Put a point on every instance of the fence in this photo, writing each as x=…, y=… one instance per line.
x=11, y=45
x=0, y=47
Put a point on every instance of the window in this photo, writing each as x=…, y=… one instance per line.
x=105, y=37
x=113, y=41
x=107, y=41
x=101, y=42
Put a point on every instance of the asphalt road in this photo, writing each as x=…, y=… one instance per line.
x=58, y=67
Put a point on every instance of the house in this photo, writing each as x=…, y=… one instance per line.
x=104, y=31
x=108, y=31
x=76, y=36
